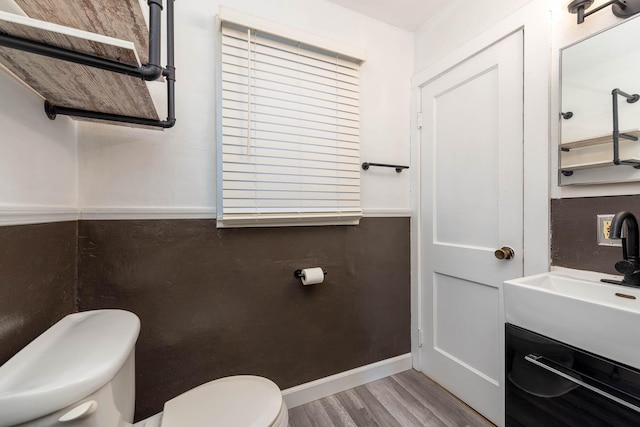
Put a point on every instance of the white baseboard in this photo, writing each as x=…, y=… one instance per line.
x=314, y=390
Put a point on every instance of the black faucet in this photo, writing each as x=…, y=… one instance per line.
x=630, y=265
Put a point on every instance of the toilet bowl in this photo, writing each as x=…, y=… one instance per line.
x=80, y=372
x=241, y=400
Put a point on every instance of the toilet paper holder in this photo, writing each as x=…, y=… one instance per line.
x=298, y=274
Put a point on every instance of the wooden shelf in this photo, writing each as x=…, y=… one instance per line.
x=120, y=19
x=595, y=165
x=598, y=140
x=111, y=30
x=594, y=153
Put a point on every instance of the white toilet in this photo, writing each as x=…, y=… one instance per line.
x=80, y=373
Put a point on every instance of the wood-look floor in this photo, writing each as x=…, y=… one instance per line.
x=403, y=400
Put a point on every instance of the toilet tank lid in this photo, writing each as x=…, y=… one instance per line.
x=72, y=359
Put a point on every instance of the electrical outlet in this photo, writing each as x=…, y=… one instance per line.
x=604, y=231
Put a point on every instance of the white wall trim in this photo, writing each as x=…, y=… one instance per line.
x=22, y=215
x=314, y=390
x=386, y=213
x=114, y=213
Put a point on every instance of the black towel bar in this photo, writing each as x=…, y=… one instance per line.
x=398, y=168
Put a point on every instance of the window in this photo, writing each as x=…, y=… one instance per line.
x=290, y=148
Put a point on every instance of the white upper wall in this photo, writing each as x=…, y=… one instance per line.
x=457, y=23
x=437, y=37
x=37, y=155
x=122, y=168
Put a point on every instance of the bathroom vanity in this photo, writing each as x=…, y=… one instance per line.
x=572, y=353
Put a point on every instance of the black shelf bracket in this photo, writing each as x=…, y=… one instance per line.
x=149, y=72
x=616, y=131
x=620, y=8
x=398, y=168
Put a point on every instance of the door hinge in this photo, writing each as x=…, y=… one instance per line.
x=419, y=120
x=420, y=338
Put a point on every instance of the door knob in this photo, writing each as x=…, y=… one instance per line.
x=504, y=252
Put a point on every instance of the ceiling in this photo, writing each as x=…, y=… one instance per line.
x=405, y=14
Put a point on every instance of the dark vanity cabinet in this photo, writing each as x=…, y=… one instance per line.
x=549, y=383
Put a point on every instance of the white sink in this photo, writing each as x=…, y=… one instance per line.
x=574, y=307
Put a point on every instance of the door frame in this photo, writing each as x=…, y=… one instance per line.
x=534, y=20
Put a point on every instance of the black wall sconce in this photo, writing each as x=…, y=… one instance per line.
x=620, y=8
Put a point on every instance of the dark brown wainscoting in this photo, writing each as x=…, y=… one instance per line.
x=37, y=281
x=216, y=302
x=573, y=231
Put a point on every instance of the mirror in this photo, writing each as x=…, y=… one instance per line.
x=590, y=71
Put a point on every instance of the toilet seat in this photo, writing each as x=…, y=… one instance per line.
x=241, y=400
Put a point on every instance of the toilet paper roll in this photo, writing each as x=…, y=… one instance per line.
x=312, y=276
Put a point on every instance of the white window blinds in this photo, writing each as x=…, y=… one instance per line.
x=290, y=132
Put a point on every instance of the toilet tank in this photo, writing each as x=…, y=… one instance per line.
x=85, y=362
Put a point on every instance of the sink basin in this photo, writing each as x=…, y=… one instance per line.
x=574, y=307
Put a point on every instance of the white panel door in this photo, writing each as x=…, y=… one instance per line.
x=471, y=205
